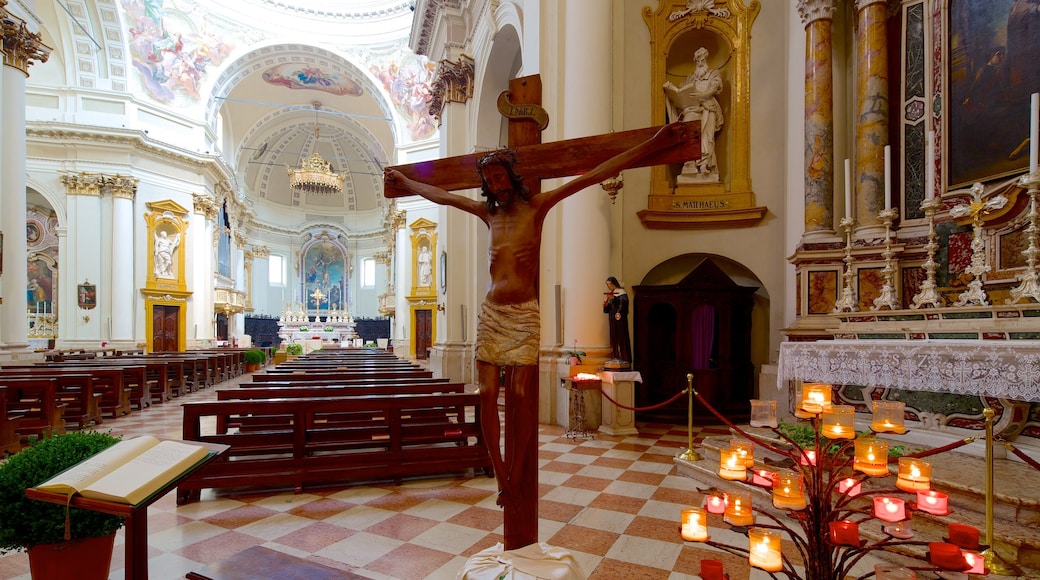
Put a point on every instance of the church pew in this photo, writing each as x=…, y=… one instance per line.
x=36, y=401
x=134, y=375
x=310, y=452
x=302, y=391
x=333, y=376
x=10, y=443
x=114, y=398
x=304, y=381
x=75, y=390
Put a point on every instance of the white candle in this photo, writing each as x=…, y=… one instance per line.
x=929, y=166
x=848, y=189
x=1034, y=130
x=888, y=177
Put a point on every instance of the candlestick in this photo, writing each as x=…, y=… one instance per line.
x=1034, y=130
x=929, y=295
x=847, y=302
x=888, y=177
x=1030, y=280
x=929, y=166
x=848, y=189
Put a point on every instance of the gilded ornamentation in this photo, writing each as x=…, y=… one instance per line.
x=83, y=184
x=453, y=84
x=20, y=47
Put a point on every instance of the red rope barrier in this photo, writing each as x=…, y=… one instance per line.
x=935, y=451
x=650, y=408
x=1021, y=455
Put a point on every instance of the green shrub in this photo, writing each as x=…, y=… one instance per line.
x=294, y=349
x=26, y=522
x=255, y=357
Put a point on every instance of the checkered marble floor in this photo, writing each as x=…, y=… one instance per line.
x=613, y=502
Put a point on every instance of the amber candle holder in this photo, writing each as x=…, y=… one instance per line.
x=838, y=422
x=871, y=456
x=738, y=509
x=914, y=474
x=731, y=465
x=814, y=397
x=694, y=524
x=764, y=549
x=745, y=450
x=888, y=417
x=788, y=490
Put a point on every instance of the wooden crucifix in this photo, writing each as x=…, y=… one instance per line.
x=514, y=210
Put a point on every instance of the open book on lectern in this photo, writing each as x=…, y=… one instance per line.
x=129, y=471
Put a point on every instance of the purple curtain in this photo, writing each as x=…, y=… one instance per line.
x=702, y=330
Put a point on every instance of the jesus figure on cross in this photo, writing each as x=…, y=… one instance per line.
x=508, y=333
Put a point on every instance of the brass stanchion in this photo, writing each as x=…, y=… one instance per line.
x=689, y=454
x=994, y=563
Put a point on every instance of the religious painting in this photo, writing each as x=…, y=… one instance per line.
x=323, y=276
x=303, y=76
x=39, y=292
x=823, y=292
x=407, y=81
x=993, y=50
x=32, y=232
x=171, y=58
x=86, y=294
x=870, y=283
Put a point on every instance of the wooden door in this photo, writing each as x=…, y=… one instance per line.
x=423, y=332
x=165, y=321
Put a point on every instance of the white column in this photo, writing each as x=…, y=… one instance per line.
x=13, y=325
x=585, y=232
x=237, y=323
x=200, y=232
x=122, y=308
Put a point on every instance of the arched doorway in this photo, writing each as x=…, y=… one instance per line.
x=699, y=325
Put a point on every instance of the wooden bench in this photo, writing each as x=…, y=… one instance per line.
x=10, y=442
x=288, y=382
x=320, y=376
x=75, y=391
x=311, y=450
x=35, y=400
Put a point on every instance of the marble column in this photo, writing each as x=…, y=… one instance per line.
x=585, y=238
x=237, y=322
x=82, y=263
x=818, y=17
x=123, y=191
x=204, y=244
x=21, y=49
x=871, y=124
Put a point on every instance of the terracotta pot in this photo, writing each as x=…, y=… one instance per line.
x=88, y=559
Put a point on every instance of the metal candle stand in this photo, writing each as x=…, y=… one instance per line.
x=888, y=294
x=929, y=295
x=847, y=302
x=1029, y=287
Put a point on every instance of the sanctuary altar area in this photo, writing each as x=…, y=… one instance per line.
x=296, y=326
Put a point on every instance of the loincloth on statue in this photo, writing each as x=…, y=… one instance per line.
x=508, y=334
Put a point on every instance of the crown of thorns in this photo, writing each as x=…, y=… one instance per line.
x=498, y=157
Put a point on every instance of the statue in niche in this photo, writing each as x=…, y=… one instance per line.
x=425, y=266
x=165, y=246
x=695, y=101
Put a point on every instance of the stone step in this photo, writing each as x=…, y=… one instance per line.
x=1016, y=499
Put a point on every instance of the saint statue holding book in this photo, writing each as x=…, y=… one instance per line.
x=695, y=101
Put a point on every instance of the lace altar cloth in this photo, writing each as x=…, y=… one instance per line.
x=1008, y=369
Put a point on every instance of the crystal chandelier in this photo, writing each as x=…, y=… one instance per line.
x=314, y=174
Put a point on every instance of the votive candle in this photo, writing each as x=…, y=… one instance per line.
x=889, y=509
x=850, y=487
x=893, y=572
x=844, y=533
x=745, y=450
x=764, y=549
x=933, y=502
x=788, y=491
x=712, y=570
x=839, y=422
x=976, y=561
x=871, y=456
x=715, y=504
x=738, y=509
x=808, y=457
x=815, y=396
x=763, y=413
x=904, y=530
x=914, y=474
x=763, y=477
x=694, y=524
x=731, y=465
x=888, y=417
x=947, y=556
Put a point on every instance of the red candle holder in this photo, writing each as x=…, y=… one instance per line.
x=712, y=570
x=889, y=509
x=715, y=504
x=963, y=536
x=947, y=556
x=844, y=533
x=850, y=487
x=933, y=502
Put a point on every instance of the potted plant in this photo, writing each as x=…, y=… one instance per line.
x=294, y=350
x=254, y=358
x=38, y=527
